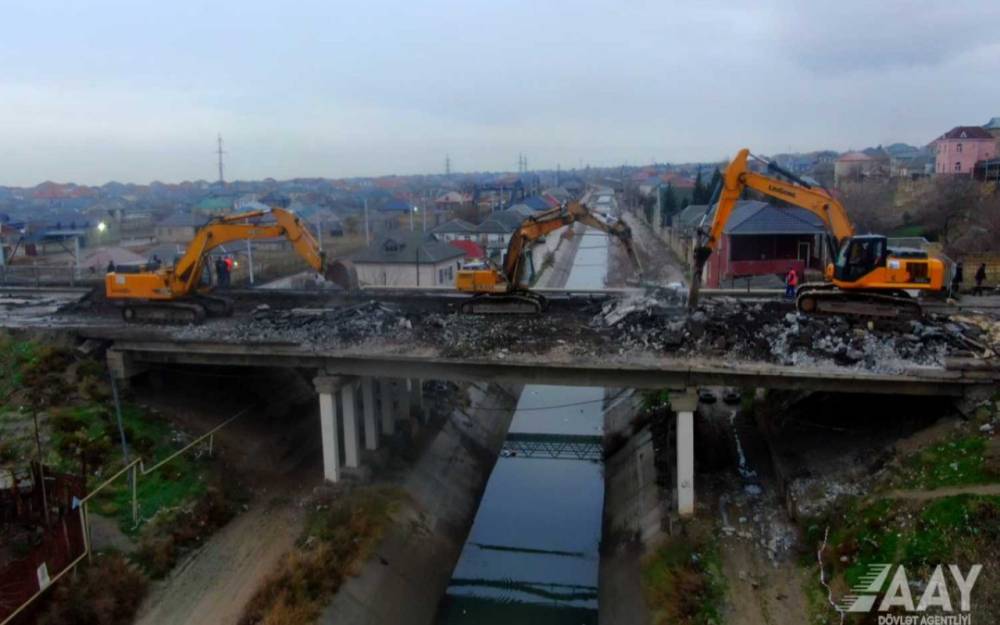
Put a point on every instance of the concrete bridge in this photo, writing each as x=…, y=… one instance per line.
x=363, y=396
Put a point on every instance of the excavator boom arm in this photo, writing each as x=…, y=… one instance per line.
x=738, y=177
x=533, y=228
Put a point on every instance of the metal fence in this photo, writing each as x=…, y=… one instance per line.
x=23, y=581
x=50, y=548
x=47, y=275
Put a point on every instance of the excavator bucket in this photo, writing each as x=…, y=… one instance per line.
x=701, y=255
x=343, y=274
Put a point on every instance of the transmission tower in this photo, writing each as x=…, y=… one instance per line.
x=220, y=152
x=447, y=165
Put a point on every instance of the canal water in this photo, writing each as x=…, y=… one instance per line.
x=532, y=555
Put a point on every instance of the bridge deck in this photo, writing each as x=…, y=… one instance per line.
x=645, y=372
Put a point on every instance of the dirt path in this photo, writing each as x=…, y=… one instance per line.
x=950, y=491
x=763, y=580
x=213, y=584
x=759, y=592
x=659, y=265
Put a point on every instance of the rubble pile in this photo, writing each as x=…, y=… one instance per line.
x=332, y=325
x=460, y=335
x=316, y=326
x=772, y=332
x=652, y=323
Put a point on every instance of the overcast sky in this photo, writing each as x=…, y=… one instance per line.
x=136, y=90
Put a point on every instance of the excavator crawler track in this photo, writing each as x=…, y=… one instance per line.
x=193, y=310
x=175, y=313
x=520, y=303
x=817, y=300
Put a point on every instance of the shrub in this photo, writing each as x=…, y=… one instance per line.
x=106, y=593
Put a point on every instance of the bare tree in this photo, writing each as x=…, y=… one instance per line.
x=946, y=207
x=872, y=205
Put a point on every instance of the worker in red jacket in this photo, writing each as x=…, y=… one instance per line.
x=791, y=283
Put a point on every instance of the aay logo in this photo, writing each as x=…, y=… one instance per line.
x=864, y=595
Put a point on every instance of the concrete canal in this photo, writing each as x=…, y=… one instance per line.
x=532, y=555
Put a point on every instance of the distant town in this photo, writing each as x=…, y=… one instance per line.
x=448, y=219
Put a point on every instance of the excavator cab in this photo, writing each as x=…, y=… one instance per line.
x=859, y=256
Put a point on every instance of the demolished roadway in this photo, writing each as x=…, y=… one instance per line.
x=646, y=341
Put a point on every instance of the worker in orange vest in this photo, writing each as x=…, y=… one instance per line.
x=791, y=282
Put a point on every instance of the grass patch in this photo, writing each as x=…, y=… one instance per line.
x=174, y=530
x=15, y=357
x=957, y=462
x=683, y=582
x=86, y=438
x=917, y=536
x=338, y=539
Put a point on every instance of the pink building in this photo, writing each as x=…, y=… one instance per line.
x=959, y=149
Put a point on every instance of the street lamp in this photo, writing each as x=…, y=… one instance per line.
x=101, y=226
x=415, y=209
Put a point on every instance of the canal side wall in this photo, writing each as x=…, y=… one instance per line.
x=410, y=570
x=634, y=513
x=564, y=254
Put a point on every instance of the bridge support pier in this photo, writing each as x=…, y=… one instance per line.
x=684, y=404
x=122, y=366
x=327, y=387
x=368, y=408
x=417, y=398
x=403, y=396
x=385, y=396
x=348, y=411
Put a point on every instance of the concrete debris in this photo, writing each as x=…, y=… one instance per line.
x=315, y=326
x=655, y=322
x=769, y=331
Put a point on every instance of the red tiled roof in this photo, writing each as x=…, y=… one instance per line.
x=471, y=248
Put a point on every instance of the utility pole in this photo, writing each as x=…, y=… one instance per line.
x=368, y=238
x=250, y=260
x=219, y=152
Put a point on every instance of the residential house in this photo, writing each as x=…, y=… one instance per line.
x=452, y=201
x=215, y=204
x=456, y=230
x=495, y=232
x=679, y=234
x=558, y=194
x=913, y=167
x=408, y=259
x=394, y=214
x=857, y=166
x=959, y=149
x=177, y=228
x=764, y=240
x=539, y=203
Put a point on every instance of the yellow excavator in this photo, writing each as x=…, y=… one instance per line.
x=175, y=294
x=498, y=290
x=866, y=278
